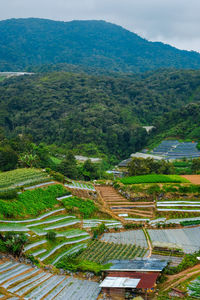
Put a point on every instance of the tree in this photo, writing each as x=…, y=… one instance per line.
x=138, y=166
x=195, y=165
x=28, y=160
x=8, y=158
x=90, y=170
x=142, y=166
x=68, y=166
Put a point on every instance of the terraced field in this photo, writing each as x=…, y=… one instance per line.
x=95, y=222
x=192, y=205
x=121, y=206
x=20, y=280
x=186, y=238
x=130, y=237
x=19, y=177
x=70, y=237
x=81, y=186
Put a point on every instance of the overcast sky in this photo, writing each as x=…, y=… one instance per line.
x=176, y=22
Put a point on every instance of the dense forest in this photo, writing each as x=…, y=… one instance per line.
x=99, y=44
x=102, y=114
x=182, y=123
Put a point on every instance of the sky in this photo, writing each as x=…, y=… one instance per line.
x=175, y=22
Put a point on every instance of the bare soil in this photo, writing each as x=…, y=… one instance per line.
x=195, y=179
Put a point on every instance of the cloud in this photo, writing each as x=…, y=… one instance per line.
x=175, y=22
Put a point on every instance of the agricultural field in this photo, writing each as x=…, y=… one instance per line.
x=192, y=205
x=91, y=223
x=61, y=219
x=130, y=237
x=84, y=208
x=154, y=178
x=186, y=239
x=20, y=177
x=173, y=149
x=31, y=202
x=194, y=288
x=121, y=206
x=101, y=252
x=67, y=230
x=20, y=280
x=81, y=186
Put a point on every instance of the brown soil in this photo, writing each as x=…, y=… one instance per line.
x=175, y=280
x=195, y=179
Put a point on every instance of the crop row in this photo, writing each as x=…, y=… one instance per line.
x=32, y=202
x=130, y=237
x=153, y=178
x=101, y=252
x=20, y=176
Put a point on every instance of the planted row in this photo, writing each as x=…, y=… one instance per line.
x=31, y=202
x=101, y=252
x=153, y=178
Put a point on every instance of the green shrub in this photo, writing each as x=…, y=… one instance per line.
x=56, y=175
x=51, y=235
x=14, y=242
x=10, y=194
x=188, y=261
x=74, y=265
x=154, y=189
x=132, y=226
x=97, y=231
x=188, y=223
x=86, y=208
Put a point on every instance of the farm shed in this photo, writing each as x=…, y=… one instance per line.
x=131, y=277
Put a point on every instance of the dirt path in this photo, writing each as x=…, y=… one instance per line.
x=174, y=280
x=195, y=179
x=149, y=243
x=106, y=209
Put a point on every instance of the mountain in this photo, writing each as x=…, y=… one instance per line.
x=107, y=112
x=98, y=44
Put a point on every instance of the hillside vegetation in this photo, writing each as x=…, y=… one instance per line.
x=88, y=43
x=181, y=123
x=106, y=112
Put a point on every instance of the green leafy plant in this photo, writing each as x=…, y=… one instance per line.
x=51, y=235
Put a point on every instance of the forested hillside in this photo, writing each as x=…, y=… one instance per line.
x=76, y=110
x=98, y=44
x=182, y=123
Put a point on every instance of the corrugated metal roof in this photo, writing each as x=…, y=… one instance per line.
x=138, y=265
x=120, y=282
x=135, y=280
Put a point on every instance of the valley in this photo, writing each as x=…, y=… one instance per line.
x=99, y=163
